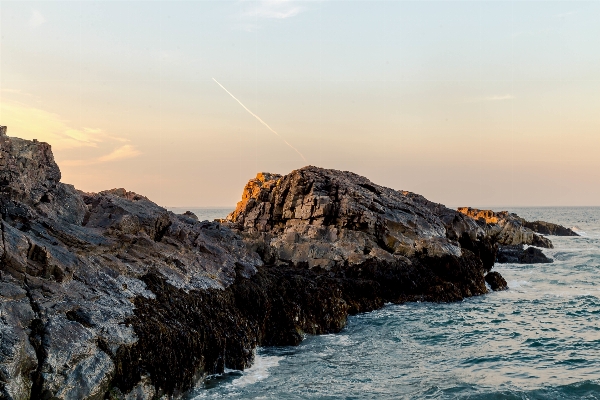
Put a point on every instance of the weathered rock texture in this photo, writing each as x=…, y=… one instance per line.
x=496, y=281
x=108, y=295
x=512, y=232
x=73, y=266
x=520, y=255
x=338, y=221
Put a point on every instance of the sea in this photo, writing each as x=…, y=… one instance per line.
x=540, y=339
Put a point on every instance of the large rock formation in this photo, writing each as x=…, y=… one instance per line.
x=110, y=295
x=72, y=269
x=340, y=222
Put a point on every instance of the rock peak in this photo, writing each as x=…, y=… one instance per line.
x=2, y=130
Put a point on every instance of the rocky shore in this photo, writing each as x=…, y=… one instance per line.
x=108, y=295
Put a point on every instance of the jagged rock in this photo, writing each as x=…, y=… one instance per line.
x=28, y=173
x=328, y=218
x=505, y=228
x=548, y=228
x=108, y=295
x=71, y=267
x=496, y=281
x=191, y=215
x=18, y=358
x=519, y=255
x=532, y=255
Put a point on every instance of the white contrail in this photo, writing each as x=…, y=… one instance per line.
x=260, y=120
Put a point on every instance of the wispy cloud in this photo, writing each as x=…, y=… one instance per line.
x=121, y=153
x=18, y=93
x=272, y=9
x=29, y=122
x=36, y=19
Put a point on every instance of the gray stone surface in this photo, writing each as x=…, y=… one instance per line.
x=328, y=218
x=71, y=264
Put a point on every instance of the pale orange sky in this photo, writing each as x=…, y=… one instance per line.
x=468, y=103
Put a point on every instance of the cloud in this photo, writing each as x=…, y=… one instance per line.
x=36, y=19
x=121, y=153
x=272, y=9
x=29, y=122
x=501, y=97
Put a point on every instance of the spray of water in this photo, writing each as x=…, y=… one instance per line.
x=260, y=120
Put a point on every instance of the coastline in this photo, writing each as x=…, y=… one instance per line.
x=125, y=298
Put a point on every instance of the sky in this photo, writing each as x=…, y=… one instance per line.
x=469, y=103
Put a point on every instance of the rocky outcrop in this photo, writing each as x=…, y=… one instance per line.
x=519, y=255
x=108, y=295
x=548, y=228
x=496, y=281
x=506, y=228
x=73, y=265
x=330, y=219
x=512, y=232
x=338, y=221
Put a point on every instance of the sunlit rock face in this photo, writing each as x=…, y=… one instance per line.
x=327, y=218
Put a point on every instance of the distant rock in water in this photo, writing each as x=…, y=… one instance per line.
x=507, y=229
x=519, y=255
x=548, y=228
x=190, y=215
x=108, y=295
x=511, y=232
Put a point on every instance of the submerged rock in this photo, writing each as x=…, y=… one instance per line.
x=108, y=295
x=496, y=281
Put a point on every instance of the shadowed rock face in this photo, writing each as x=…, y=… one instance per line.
x=518, y=254
x=496, y=281
x=110, y=295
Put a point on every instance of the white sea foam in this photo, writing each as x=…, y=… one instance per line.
x=258, y=371
x=518, y=284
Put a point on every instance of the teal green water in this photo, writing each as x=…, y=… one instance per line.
x=538, y=340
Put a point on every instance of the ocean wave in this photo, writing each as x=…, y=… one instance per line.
x=579, y=390
x=258, y=371
x=538, y=340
